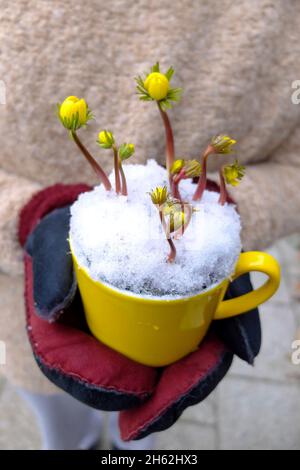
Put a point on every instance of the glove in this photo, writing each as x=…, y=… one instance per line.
x=150, y=399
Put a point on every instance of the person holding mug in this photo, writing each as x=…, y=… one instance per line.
x=238, y=63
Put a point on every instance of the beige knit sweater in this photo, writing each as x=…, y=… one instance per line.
x=236, y=62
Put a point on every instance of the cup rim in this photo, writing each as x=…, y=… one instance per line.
x=144, y=298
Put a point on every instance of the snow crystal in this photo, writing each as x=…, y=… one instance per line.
x=120, y=241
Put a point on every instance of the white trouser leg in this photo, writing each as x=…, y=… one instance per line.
x=65, y=423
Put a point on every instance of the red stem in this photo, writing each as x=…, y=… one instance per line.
x=179, y=176
x=172, y=255
x=175, y=183
x=170, y=151
x=203, y=178
x=175, y=189
x=223, y=190
x=124, y=191
x=96, y=167
x=116, y=167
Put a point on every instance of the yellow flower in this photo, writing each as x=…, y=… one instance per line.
x=176, y=167
x=126, y=150
x=233, y=173
x=74, y=113
x=105, y=139
x=192, y=168
x=157, y=85
x=222, y=144
x=159, y=195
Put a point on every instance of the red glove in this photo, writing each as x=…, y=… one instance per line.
x=152, y=398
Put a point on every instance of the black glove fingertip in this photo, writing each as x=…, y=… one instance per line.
x=54, y=282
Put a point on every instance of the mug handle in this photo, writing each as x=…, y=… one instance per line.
x=251, y=261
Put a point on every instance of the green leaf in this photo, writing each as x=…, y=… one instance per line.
x=168, y=105
x=155, y=67
x=139, y=81
x=169, y=73
x=165, y=105
x=175, y=93
x=145, y=98
x=104, y=146
x=140, y=89
x=89, y=115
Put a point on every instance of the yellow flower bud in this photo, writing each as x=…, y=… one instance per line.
x=192, y=169
x=157, y=85
x=233, y=173
x=74, y=113
x=176, y=167
x=126, y=150
x=106, y=139
x=222, y=144
x=159, y=195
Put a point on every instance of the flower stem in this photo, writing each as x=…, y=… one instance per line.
x=170, y=151
x=175, y=189
x=172, y=255
x=175, y=184
x=124, y=191
x=223, y=190
x=96, y=167
x=203, y=177
x=116, y=168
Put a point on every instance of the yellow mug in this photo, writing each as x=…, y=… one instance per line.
x=157, y=332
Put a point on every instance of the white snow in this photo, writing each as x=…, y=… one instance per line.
x=119, y=240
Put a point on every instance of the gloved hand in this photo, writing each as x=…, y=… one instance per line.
x=152, y=399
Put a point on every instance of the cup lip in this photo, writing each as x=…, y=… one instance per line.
x=117, y=292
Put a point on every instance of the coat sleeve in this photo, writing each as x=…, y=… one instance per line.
x=268, y=198
x=15, y=191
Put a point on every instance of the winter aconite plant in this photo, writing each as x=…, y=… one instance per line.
x=221, y=144
x=174, y=211
x=155, y=86
x=74, y=114
x=106, y=140
x=174, y=216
